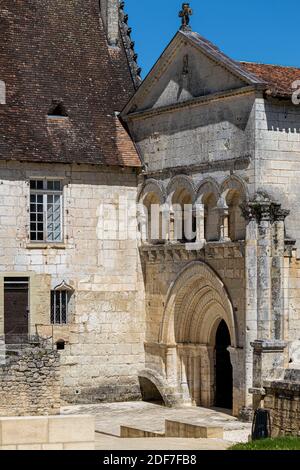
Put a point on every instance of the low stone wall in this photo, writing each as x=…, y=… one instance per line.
x=189, y=431
x=48, y=433
x=30, y=383
x=283, y=400
x=129, y=432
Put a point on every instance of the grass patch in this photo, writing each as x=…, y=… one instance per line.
x=278, y=443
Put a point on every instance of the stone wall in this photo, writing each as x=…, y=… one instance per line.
x=30, y=383
x=98, y=258
x=282, y=399
x=211, y=134
x=277, y=149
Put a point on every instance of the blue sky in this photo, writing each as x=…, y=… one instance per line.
x=266, y=31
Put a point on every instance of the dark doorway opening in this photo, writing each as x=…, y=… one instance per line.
x=16, y=311
x=223, y=368
x=150, y=392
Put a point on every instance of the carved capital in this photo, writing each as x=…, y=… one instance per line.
x=262, y=208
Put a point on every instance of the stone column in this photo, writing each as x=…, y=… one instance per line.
x=251, y=308
x=223, y=211
x=165, y=222
x=171, y=364
x=183, y=373
x=239, y=408
x=197, y=378
x=264, y=253
x=178, y=222
x=277, y=273
x=207, y=375
x=172, y=226
x=199, y=213
x=142, y=217
x=264, y=272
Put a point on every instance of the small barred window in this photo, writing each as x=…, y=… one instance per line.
x=59, y=306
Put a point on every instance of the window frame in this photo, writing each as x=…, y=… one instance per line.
x=53, y=312
x=45, y=192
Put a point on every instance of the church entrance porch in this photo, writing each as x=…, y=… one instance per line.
x=198, y=332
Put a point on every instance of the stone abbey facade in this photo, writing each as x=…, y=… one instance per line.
x=86, y=151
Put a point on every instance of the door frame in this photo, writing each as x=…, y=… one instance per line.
x=24, y=282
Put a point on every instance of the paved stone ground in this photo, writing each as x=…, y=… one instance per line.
x=115, y=443
x=148, y=416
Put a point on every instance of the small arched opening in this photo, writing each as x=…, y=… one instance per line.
x=152, y=206
x=184, y=217
x=150, y=392
x=211, y=218
x=237, y=223
x=223, y=368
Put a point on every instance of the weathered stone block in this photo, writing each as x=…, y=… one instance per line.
x=179, y=429
x=64, y=429
x=25, y=430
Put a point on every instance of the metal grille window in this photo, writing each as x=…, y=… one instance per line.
x=46, y=210
x=59, y=306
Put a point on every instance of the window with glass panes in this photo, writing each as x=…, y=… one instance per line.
x=46, y=210
x=59, y=306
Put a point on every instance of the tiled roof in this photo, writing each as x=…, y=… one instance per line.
x=52, y=52
x=278, y=78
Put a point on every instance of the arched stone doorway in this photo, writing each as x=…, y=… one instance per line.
x=197, y=304
x=223, y=368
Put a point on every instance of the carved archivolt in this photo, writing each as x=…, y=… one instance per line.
x=152, y=186
x=207, y=187
x=181, y=182
x=234, y=183
x=197, y=300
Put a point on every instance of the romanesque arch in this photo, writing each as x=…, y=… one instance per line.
x=208, y=194
x=197, y=302
x=234, y=194
x=150, y=209
x=180, y=183
x=207, y=186
x=196, y=291
x=152, y=186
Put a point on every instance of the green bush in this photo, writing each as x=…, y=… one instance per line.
x=279, y=443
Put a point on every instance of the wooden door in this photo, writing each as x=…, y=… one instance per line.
x=16, y=310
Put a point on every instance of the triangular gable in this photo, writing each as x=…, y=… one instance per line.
x=190, y=67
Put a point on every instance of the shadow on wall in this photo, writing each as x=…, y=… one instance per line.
x=150, y=392
x=283, y=119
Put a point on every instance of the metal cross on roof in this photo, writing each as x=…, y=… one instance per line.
x=185, y=14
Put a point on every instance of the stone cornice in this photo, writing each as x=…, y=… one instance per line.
x=199, y=101
x=178, y=252
x=239, y=163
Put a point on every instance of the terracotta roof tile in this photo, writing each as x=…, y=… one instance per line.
x=53, y=51
x=279, y=78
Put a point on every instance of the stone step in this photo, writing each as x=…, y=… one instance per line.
x=192, y=431
x=177, y=429
x=130, y=432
